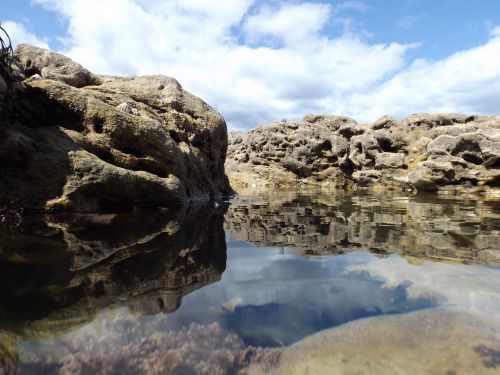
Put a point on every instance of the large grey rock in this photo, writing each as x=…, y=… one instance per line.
x=51, y=65
x=64, y=148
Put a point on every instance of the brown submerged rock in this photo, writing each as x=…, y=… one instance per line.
x=76, y=142
x=423, y=342
x=426, y=152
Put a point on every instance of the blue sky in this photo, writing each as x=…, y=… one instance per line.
x=257, y=61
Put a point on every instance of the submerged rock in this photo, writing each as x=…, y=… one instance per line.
x=75, y=142
x=426, y=342
x=426, y=152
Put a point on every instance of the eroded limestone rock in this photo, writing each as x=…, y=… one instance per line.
x=120, y=143
x=426, y=152
x=51, y=65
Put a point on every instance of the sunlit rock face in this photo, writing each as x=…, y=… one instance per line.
x=71, y=267
x=424, y=152
x=412, y=226
x=71, y=141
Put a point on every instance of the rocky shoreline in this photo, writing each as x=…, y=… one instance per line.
x=442, y=152
x=74, y=141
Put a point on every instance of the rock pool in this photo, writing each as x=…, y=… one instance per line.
x=283, y=283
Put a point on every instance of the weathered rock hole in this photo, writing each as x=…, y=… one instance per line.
x=161, y=303
x=134, y=151
x=472, y=158
x=495, y=182
x=326, y=145
x=332, y=159
x=468, y=181
x=347, y=167
x=99, y=289
x=98, y=124
x=386, y=145
x=466, y=147
x=148, y=166
x=105, y=155
x=175, y=136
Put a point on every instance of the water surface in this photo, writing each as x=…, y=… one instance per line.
x=219, y=288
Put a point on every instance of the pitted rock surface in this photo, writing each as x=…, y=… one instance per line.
x=75, y=142
x=423, y=152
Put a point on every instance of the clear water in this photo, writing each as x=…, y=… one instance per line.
x=214, y=289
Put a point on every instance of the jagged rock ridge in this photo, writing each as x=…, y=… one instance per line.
x=426, y=152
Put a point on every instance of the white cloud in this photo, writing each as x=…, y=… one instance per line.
x=495, y=31
x=19, y=34
x=293, y=24
x=247, y=79
x=467, y=81
x=258, y=63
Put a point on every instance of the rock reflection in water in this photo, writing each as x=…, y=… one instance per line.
x=59, y=272
x=316, y=224
x=86, y=294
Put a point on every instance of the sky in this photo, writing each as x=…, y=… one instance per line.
x=259, y=61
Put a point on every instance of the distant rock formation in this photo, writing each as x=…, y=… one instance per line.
x=413, y=227
x=423, y=152
x=72, y=141
x=72, y=267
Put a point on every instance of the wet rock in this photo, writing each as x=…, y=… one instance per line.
x=123, y=143
x=119, y=344
x=366, y=177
